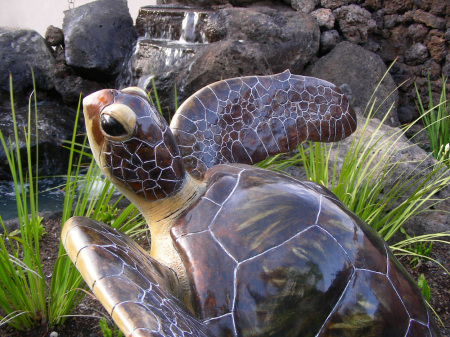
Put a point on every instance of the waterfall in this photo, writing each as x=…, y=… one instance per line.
x=188, y=27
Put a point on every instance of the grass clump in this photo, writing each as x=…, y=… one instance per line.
x=436, y=120
x=26, y=299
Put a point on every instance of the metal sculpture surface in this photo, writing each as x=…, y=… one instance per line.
x=236, y=250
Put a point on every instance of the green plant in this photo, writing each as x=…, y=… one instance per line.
x=25, y=298
x=436, y=120
x=106, y=330
x=426, y=291
x=420, y=250
x=23, y=293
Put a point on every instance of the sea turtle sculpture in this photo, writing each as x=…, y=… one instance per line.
x=236, y=250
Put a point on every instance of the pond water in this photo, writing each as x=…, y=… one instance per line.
x=51, y=196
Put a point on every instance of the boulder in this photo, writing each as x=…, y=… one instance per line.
x=55, y=124
x=414, y=164
x=288, y=39
x=22, y=50
x=98, y=37
x=227, y=59
x=362, y=70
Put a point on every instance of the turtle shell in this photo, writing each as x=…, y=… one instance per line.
x=271, y=255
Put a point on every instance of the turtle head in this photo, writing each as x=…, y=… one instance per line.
x=133, y=144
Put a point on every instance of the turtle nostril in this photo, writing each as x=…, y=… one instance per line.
x=111, y=126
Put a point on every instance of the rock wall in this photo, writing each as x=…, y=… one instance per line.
x=415, y=33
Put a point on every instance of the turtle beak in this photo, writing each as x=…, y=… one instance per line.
x=94, y=103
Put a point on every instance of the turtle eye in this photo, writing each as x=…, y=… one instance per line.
x=111, y=126
x=117, y=122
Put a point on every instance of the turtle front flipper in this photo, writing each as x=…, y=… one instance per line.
x=247, y=119
x=136, y=290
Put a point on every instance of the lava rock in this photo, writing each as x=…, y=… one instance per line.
x=333, y=4
x=54, y=36
x=72, y=86
x=446, y=67
x=429, y=19
x=417, y=54
x=361, y=70
x=288, y=39
x=329, y=39
x=55, y=124
x=406, y=114
x=417, y=32
x=305, y=6
x=22, y=50
x=324, y=17
x=98, y=37
x=397, y=6
x=355, y=23
x=435, y=43
x=227, y=59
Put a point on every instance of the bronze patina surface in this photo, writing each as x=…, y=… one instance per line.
x=236, y=250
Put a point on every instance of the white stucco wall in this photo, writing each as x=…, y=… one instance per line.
x=39, y=14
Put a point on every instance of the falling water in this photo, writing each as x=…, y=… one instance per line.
x=188, y=27
x=168, y=37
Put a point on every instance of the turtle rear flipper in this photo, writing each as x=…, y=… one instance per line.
x=136, y=290
x=247, y=119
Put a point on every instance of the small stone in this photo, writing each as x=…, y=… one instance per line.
x=333, y=4
x=305, y=6
x=417, y=54
x=446, y=67
x=417, y=31
x=355, y=23
x=397, y=6
x=433, y=69
x=328, y=40
x=405, y=114
x=371, y=45
x=429, y=19
x=447, y=35
x=54, y=36
x=324, y=17
x=436, y=45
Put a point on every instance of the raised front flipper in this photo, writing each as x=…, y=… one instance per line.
x=135, y=289
x=247, y=119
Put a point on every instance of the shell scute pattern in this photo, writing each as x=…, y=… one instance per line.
x=260, y=253
x=147, y=307
x=301, y=277
x=290, y=246
x=272, y=110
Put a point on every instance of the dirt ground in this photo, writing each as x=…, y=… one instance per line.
x=87, y=314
